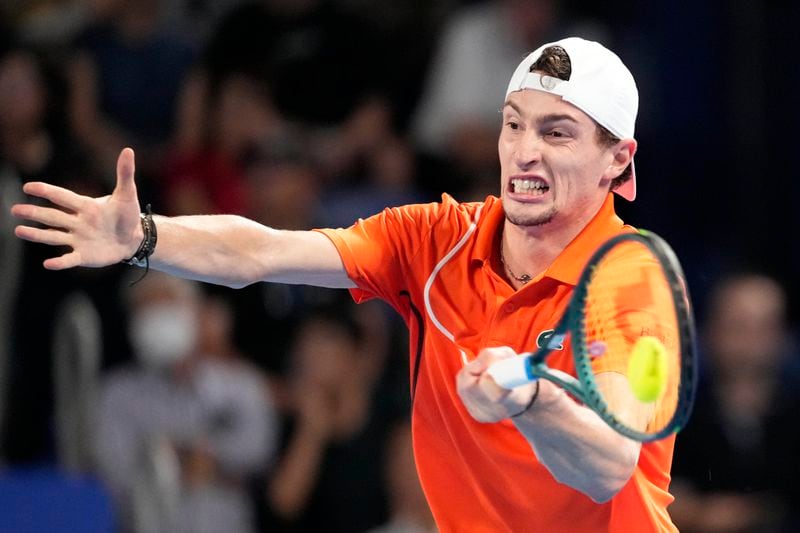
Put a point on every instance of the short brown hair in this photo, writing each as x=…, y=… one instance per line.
x=554, y=61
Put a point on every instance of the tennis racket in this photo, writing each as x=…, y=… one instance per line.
x=630, y=327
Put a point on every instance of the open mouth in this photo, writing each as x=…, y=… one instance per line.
x=529, y=186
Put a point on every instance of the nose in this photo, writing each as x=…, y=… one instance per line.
x=528, y=150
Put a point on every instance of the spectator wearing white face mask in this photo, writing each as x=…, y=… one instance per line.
x=182, y=430
x=164, y=333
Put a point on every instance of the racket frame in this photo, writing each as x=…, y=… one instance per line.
x=585, y=388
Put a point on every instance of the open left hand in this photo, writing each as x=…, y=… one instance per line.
x=101, y=231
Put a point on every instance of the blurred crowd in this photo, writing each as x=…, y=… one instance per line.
x=285, y=408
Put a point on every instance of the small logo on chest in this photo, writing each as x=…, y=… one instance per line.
x=548, y=339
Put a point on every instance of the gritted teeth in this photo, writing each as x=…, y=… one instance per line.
x=529, y=186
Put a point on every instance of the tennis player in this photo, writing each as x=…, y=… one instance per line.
x=475, y=282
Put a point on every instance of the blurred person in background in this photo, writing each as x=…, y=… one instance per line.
x=280, y=186
x=49, y=25
x=283, y=186
x=204, y=173
x=736, y=463
x=196, y=19
x=409, y=511
x=299, y=47
x=367, y=165
x=34, y=142
x=182, y=430
x=328, y=476
x=290, y=49
x=125, y=76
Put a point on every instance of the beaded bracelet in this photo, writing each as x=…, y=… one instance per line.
x=148, y=245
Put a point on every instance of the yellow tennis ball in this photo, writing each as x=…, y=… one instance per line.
x=647, y=369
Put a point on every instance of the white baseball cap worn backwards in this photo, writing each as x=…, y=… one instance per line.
x=600, y=85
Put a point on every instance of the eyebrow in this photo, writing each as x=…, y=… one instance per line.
x=558, y=117
x=512, y=105
x=552, y=117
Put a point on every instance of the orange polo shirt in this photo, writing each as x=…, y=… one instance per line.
x=435, y=264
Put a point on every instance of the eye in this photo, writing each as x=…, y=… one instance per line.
x=512, y=124
x=558, y=134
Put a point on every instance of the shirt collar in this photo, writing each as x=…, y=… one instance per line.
x=569, y=264
x=488, y=230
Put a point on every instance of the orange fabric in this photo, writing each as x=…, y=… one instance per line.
x=485, y=477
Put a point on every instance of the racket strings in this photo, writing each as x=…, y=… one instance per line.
x=628, y=297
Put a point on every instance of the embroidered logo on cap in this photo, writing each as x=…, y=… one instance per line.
x=548, y=82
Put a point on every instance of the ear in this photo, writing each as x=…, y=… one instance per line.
x=622, y=153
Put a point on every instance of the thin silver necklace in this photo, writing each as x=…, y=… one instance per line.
x=525, y=278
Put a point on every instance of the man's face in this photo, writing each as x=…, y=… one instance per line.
x=553, y=170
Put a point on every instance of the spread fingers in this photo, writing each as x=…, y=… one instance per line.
x=52, y=237
x=57, y=195
x=48, y=216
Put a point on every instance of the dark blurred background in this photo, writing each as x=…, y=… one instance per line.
x=311, y=113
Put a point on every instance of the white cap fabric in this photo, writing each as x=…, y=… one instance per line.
x=600, y=85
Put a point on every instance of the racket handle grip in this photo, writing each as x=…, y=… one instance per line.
x=512, y=372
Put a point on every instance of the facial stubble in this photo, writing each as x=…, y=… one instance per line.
x=525, y=220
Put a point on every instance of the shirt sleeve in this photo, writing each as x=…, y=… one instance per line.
x=379, y=252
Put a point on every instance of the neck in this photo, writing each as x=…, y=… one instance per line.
x=526, y=255
x=530, y=250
